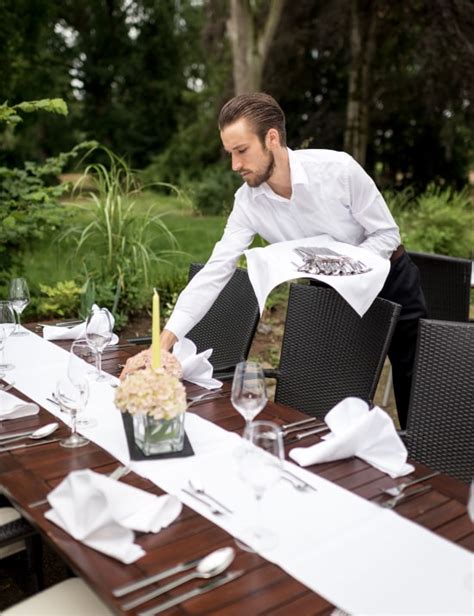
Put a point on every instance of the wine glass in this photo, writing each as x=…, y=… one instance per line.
x=70, y=400
x=249, y=392
x=7, y=325
x=98, y=335
x=260, y=466
x=19, y=298
x=78, y=371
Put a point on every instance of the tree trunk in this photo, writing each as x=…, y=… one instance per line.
x=250, y=43
x=362, y=44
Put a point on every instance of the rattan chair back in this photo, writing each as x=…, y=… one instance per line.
x=440, y=425
x=446, y=283
x=329, y=352
x=229, y=326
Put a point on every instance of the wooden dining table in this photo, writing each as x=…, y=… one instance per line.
x=264, y=588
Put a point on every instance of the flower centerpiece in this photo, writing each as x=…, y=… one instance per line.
x=156, y=400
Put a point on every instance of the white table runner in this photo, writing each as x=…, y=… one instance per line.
x=362, y=558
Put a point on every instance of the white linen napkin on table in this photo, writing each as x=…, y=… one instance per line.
x=102, y=513
x=196, y=367
x=358, y=431
x=12, y=407
x=54, y=332
x=277, y=263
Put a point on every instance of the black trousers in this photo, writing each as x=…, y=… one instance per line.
x=403, y=287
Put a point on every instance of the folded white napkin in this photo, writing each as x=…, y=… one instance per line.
x=12, y=407
x=358, y=431
x=277, y=263
x=54, y=332
x=102, y=512
x=196, y=367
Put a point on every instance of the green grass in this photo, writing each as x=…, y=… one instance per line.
x=48, y=262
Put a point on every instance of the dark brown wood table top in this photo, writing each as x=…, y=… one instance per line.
x=28, y=475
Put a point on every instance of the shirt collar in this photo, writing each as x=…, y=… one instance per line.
x=297, y=173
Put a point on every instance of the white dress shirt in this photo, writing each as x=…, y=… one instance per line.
x=331, y=194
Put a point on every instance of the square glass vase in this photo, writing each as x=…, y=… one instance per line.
x=158, y=435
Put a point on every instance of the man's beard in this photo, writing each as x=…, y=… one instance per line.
x=256, y=179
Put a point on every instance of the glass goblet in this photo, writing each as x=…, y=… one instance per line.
x=7, y=325
x=20, y=298
x=98, y=335
x=78, y=372
x=69, y=399
x=260, y=467
x=249, y=392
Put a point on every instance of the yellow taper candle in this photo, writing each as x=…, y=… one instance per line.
x=155, y=332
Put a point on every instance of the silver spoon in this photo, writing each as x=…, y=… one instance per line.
x=196, y=485
x=211, y=565
x=42, y=432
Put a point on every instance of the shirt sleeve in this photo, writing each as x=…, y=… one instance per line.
x=371, y=212
x=201, y=292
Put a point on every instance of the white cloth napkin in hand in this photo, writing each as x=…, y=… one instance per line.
x=12, y=407
x=102, y=513
x=277, y=263
x=54, y=332
x=358, y=431
x=196, y=367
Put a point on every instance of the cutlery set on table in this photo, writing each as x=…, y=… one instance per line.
x=210, y=566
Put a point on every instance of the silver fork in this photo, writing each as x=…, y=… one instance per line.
x=396, y=500
x=396, y=490
x=215, y=393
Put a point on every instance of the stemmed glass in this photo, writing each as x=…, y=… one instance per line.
x=260, y=466
x=78, y=371
x=7, y=325
x=249, y=392
x=70, y=400
x=19, y=298
x=98, y=335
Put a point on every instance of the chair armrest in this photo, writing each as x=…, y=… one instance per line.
x=15, y=531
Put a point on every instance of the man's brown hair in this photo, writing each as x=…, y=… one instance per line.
x=260, y=109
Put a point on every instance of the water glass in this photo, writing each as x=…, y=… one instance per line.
x=78, y=372
x=249, y=392
x=19, y=298
x=98, y=335
x=260, y=467
x=7, y=325
x=70, y=400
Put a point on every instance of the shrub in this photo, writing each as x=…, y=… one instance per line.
x=439, y=221
x=62, y=299
x=115, y=243
x=214, y=193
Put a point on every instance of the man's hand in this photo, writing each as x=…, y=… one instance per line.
x=143, y=359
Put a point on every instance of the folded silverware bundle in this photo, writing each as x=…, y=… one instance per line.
x=318, y=260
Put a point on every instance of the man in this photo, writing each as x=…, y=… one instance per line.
x=290, y=195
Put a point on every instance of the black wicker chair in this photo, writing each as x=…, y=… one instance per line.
x=229, y=325
x=16, y=535
x=446, y=283
x=440, y=424
x=328, y=351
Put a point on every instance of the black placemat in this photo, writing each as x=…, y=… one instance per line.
x=137, y=454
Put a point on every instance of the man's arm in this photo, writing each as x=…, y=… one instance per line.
x=370, y=210
x=201, y=292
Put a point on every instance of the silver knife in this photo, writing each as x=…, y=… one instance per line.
x=302, y=435
x=120, y=591
x=200, y=590
x=6, y=437
x=26, y=445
